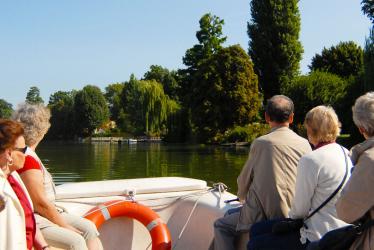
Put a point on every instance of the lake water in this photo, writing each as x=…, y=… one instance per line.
x=72, y=162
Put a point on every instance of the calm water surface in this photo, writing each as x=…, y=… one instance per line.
x=72, y=162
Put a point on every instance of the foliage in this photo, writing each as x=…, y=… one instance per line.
x=113, y=96
x=246, y=133
x=5, y=109
x=344, y=60
x=146, y=106
x=274, y=44
x=91, y=109
x=225, y=93
x=368, y=9
x=33, y=96
x=62, y=119
x=210, y=40
x=315, y=89
x=369, y=62
x=168, y=79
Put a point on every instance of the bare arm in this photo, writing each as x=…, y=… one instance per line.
x=33, y=180
x=40, y=242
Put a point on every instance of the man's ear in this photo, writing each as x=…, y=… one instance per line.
x=290, y=119
x=267, y=117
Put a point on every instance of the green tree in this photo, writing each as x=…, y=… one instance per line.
x=91, y=109
x=344, y=60
x=146, y=106
x=368, y=9
x=274, y=45
x=62, y=120
x=33, y=96
x=210, y=39
x=227, y=94
x=5, y=109
x=369, y=62
x=113, y=96
x=168, y=79
x=314, y=89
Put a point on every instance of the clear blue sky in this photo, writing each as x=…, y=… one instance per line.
x=65, y=45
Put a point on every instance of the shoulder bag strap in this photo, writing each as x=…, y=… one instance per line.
x=336, y=190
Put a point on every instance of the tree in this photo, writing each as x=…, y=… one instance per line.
x=344, y=60
x=91, y=109
x=314, y=89
x=274, y=45
x=5, y=109
x=146, y=106
x=210, y=39
x=369, y=62
x=168, y=79
x=368, y=9
x=227, y=94
x=62, y=119
x=33, y=96
x=113, y=96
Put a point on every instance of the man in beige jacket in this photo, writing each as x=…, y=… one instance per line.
x=266, y=184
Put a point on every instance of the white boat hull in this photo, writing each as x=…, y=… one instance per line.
x=186, y=205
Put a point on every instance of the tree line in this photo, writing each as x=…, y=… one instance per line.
x=219, y=95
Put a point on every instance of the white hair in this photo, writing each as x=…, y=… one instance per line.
x=363, y=113
x=35, y=121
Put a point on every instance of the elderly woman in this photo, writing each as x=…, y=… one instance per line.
x=17, y=221
x=59, y=228
x=319, y=174
x=357, y=199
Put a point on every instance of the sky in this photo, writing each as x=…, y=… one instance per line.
x=65, y=45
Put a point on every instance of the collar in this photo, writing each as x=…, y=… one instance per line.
x=279, y=128
x=321, y=144
x=360, y=148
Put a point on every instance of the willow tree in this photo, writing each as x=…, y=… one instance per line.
x=274, y=44
x=147, y=106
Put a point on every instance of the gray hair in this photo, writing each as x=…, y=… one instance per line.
x=363, y=113
x=35, y=120
x=279, y=108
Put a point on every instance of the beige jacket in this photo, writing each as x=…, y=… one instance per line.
x=12, y=218
x=267, y=180
x=358, y=198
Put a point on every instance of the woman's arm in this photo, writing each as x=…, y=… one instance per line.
x=40, y=242
x=306, y=182
x=33, y=180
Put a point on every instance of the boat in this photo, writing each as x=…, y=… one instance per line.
x=188, y=208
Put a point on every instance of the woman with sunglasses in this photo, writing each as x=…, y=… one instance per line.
x=17, y=222
x=59, y=228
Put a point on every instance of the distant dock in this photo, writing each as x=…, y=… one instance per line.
x=124, y=140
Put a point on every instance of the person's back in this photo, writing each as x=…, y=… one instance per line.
x=267, y=180
x=277, y=155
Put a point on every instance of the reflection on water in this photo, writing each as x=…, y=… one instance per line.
x=71, y=162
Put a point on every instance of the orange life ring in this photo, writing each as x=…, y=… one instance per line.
x=161, y=239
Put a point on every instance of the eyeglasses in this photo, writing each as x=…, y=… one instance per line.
x=22, y=150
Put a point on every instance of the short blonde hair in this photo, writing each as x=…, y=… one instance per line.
x=35, y=121
x=363, y=113
x=323, y=123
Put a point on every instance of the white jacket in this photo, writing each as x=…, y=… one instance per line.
x=319, y=174
x=12, y=218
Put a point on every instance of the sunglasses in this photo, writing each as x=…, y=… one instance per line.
x=22, y=150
